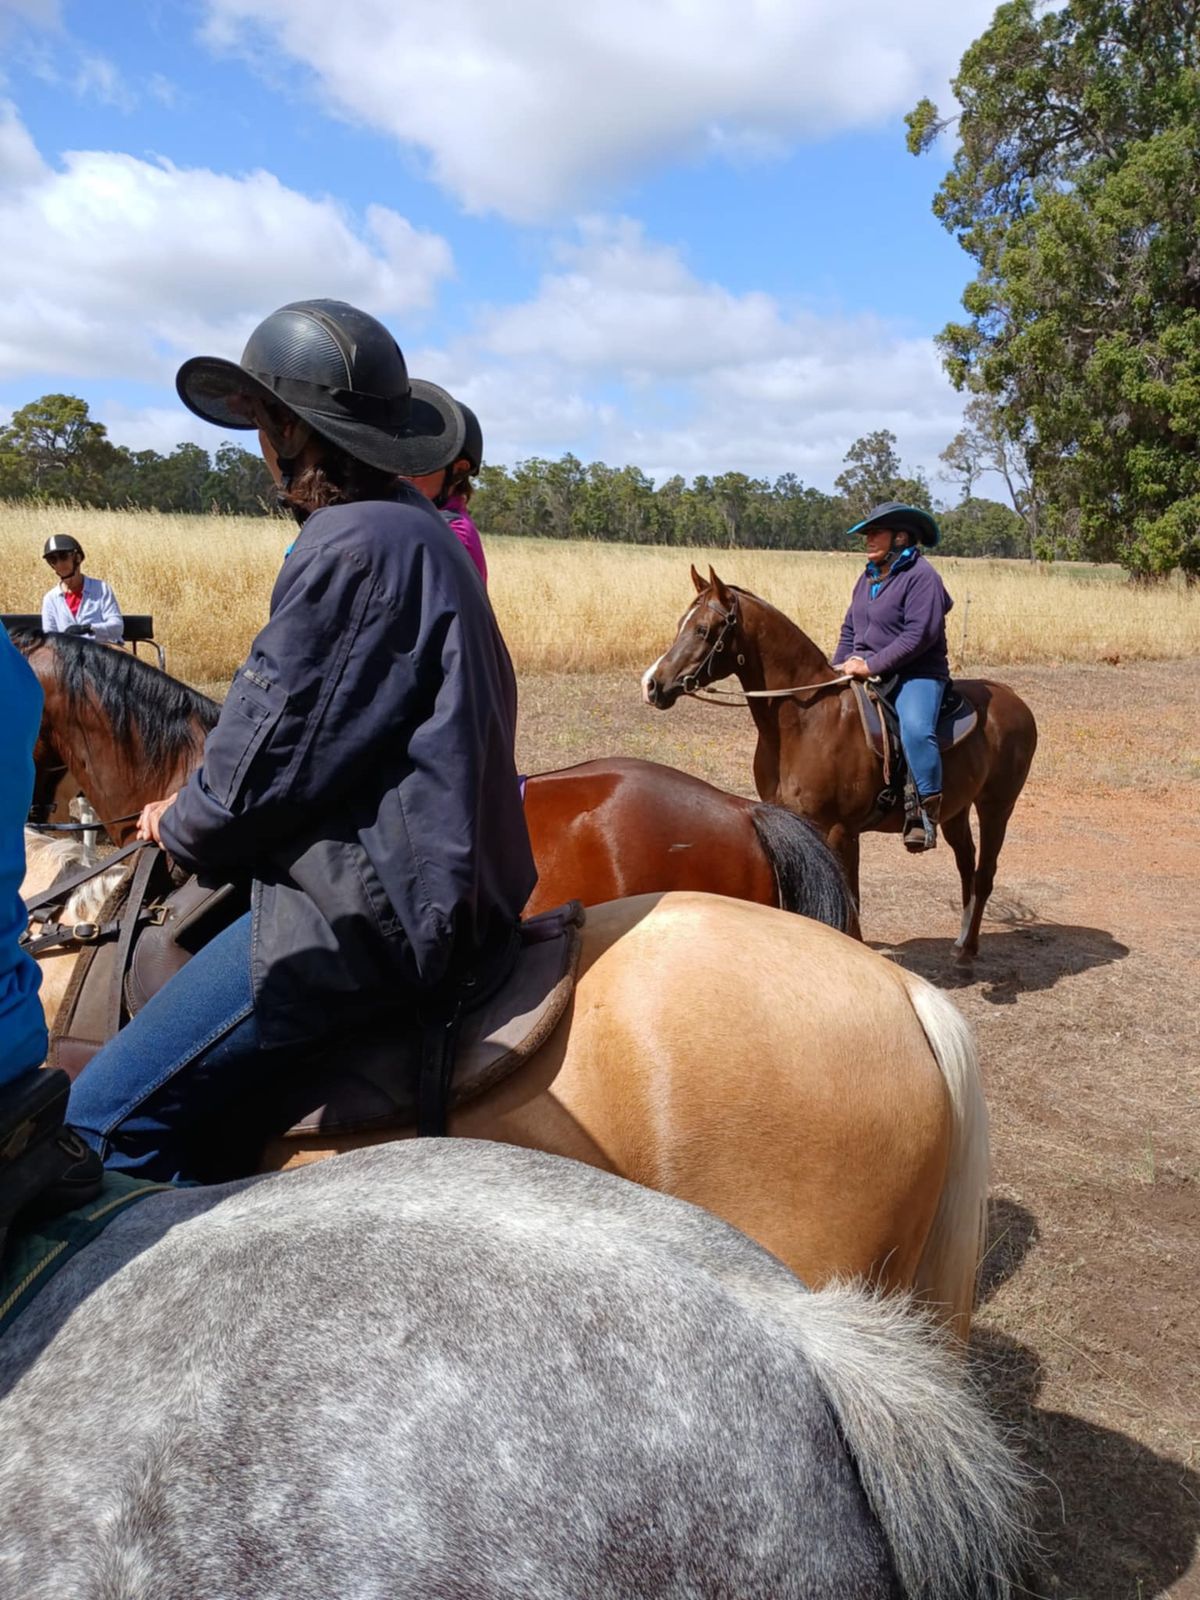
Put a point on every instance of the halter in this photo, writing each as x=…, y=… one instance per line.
x=708, y=694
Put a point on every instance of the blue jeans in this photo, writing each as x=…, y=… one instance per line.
x=918, y=701
x=189, y=1057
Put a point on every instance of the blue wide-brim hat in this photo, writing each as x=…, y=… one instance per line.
x=905, y=519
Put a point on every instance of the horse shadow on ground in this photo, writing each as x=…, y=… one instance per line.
x=1115, y=1520
x=1026, y=955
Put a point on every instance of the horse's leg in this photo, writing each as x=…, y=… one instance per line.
x=993, y=824
x=957, y=832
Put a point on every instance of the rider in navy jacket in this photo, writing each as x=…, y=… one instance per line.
x=362, y=770
x=361, y=773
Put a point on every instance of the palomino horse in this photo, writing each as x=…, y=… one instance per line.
x=48, y=859
x=812, y=756
x=599, y=832
x=459, y=1369
x=761, y=1065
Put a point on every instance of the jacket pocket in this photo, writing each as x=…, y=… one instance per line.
x=252, y=708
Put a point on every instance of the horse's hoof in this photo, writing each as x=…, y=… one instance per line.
x=964, y=960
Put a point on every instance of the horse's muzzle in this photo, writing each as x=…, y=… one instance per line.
x=654, y=694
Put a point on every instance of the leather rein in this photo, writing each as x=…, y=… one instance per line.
x=80, y=827
x=53, y=898
x=696, y=689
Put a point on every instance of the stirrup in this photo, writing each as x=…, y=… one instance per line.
x=920, y=833
x=45, y=1166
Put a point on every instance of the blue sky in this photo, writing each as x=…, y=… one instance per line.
x=681, y=233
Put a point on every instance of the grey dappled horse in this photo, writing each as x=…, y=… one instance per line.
x=460, y=1369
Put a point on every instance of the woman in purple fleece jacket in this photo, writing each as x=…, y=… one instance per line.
x=896, y=627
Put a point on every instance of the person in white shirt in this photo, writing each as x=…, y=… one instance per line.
x=77, y=604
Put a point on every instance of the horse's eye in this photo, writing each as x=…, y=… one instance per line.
x=702, y=631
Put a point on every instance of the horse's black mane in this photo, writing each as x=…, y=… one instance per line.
x=138, y=700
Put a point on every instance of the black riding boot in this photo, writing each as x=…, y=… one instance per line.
x=45, y=1167
x=920, y=832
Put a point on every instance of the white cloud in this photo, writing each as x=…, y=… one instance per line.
x=624, y=354
x=98, y=77
x=126, y=264
x=41, y=13
x=527, y=107
x=161, y=428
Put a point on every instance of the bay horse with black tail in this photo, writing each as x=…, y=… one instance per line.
x=812, y=755
x=600, y=831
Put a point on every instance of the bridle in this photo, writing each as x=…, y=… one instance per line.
x=694, y=686
x=692, y=681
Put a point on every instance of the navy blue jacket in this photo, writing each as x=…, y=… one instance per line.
x=362, y=773
x=899, y=625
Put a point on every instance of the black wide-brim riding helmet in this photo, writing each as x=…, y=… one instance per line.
x=905, y=519
x=343, y=373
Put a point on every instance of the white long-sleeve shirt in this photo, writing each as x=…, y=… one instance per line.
x=98, y=609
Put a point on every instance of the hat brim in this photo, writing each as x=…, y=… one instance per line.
x=431, y=439
x=906, y=519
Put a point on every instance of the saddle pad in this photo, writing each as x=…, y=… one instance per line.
x=958, y=718
x=35, y=1253
x=368, y=1081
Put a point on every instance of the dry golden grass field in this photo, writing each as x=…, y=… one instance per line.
x=572, y=607
x=1084, y=1000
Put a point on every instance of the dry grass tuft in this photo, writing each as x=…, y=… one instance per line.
x=575, y=607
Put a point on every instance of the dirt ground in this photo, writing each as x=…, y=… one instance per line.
x=1084, y=1001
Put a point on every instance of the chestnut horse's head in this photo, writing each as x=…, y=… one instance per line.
x=705, y=647
x=126, y=731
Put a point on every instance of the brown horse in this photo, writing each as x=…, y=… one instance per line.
x=600, y=831
x=812, y=755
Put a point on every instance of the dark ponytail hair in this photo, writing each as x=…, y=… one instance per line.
x=337, y=479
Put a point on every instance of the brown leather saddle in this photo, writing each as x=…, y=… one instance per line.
x=148, y=929
x=957, y=719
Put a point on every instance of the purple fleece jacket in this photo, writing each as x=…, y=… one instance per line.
x=902, y=628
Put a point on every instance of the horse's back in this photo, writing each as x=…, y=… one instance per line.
x=1000, y=706
x=612, y=829
x=425, y=1369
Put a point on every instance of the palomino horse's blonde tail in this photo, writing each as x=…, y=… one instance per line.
x=946, y=1272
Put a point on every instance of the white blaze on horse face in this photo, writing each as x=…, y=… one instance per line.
x=651, y=671
x=647, y=676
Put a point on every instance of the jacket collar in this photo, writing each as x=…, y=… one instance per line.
x=908, y=557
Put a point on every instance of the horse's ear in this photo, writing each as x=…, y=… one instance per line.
x=698, y=580
x=722, y=592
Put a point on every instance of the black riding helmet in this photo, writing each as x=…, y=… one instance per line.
x=343, y=373
x=59, y=544
x=472, y=445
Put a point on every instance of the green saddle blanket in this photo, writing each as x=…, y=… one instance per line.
x=35, y=1253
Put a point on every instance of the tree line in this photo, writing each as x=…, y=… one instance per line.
x=567, y=499
x=54, y=451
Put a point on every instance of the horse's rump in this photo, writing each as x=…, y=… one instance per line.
x=451, y=1368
